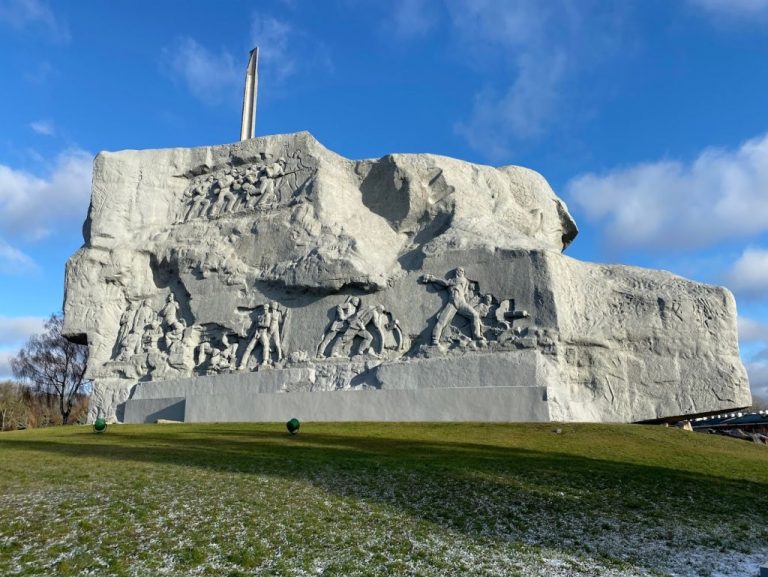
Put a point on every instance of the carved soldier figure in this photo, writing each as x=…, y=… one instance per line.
x=260, y=334
x=252, y=187
x=200, y=202
x=357, y=327
x=126, y=325
x=222, y=359
x=266, y=184
x=343, y=312
x=174, y=337
x=229, y=354
x=458, y=290
x=248, y=194
x=170, y=313
x=131, y=344
x=143, y=318
x=237, y=188
x=179, y=342
x=189, y=201
x=397, y=331
x=152, y=335
x=275, y=325
x=225, y=199
x=484, y=309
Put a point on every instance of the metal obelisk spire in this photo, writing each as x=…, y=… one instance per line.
x=248, y=123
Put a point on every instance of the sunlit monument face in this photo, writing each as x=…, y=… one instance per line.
x=272, y=277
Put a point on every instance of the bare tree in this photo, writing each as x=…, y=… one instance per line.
x=13, y=408
x=53, y=365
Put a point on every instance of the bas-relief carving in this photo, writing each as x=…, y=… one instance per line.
x=217, y=357
x=469, y=319
x=266, y=331
x=239, y=189
x=161, y=345
x=349, y=333
x=150, y=345
x=158, y=338
x=459, y=292
x=343, y=312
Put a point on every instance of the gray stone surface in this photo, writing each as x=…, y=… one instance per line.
x=153, y=410
x=498, y=404
x=276, y=263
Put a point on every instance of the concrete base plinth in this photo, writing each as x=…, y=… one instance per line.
x=494, y=404
x=501, y=387
x=500, y=404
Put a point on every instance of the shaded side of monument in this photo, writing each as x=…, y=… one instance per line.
x=272, y=278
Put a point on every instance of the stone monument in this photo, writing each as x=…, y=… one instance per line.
x=272, y=278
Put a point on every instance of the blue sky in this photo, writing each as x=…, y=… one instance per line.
x=649, y=117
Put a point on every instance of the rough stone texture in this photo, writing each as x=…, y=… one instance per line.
x=275, y=266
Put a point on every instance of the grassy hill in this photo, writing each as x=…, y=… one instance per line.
x=381, y=499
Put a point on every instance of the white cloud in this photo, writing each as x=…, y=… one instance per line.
x=216, y=77
x=734, y=8
x=14, y=331
x=524, y=110
x=5, y=364
x=536, y=60
x=413, y=17
x=286, y=51
x=540, y=46
x=43, y=127
x=721, y=195
x=752, y=331
x=32, y=206
x=13, y=261
x=275, y=40
x=209, y=76
x=30, y=14
x=749, y=274
x=758, y=378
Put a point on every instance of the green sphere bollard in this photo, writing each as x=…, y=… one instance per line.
x=293, y=426
x=100, y=425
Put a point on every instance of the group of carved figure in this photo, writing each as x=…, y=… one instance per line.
x=352, y=321
x=484, y=314
x=142, y=331
x=267, y=331
x=352, y=331
x=237, y=188
x=481, y=311
x=148, y=335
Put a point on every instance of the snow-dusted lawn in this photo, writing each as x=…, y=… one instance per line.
x=354, y=499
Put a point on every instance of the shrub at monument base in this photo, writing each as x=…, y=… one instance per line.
x=293, y=426
x=381, y=499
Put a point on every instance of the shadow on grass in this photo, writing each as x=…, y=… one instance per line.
x=570, y=502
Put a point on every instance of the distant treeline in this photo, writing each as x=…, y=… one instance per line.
x=22, y=407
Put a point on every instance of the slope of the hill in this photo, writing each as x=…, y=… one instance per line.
x=381, y=499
